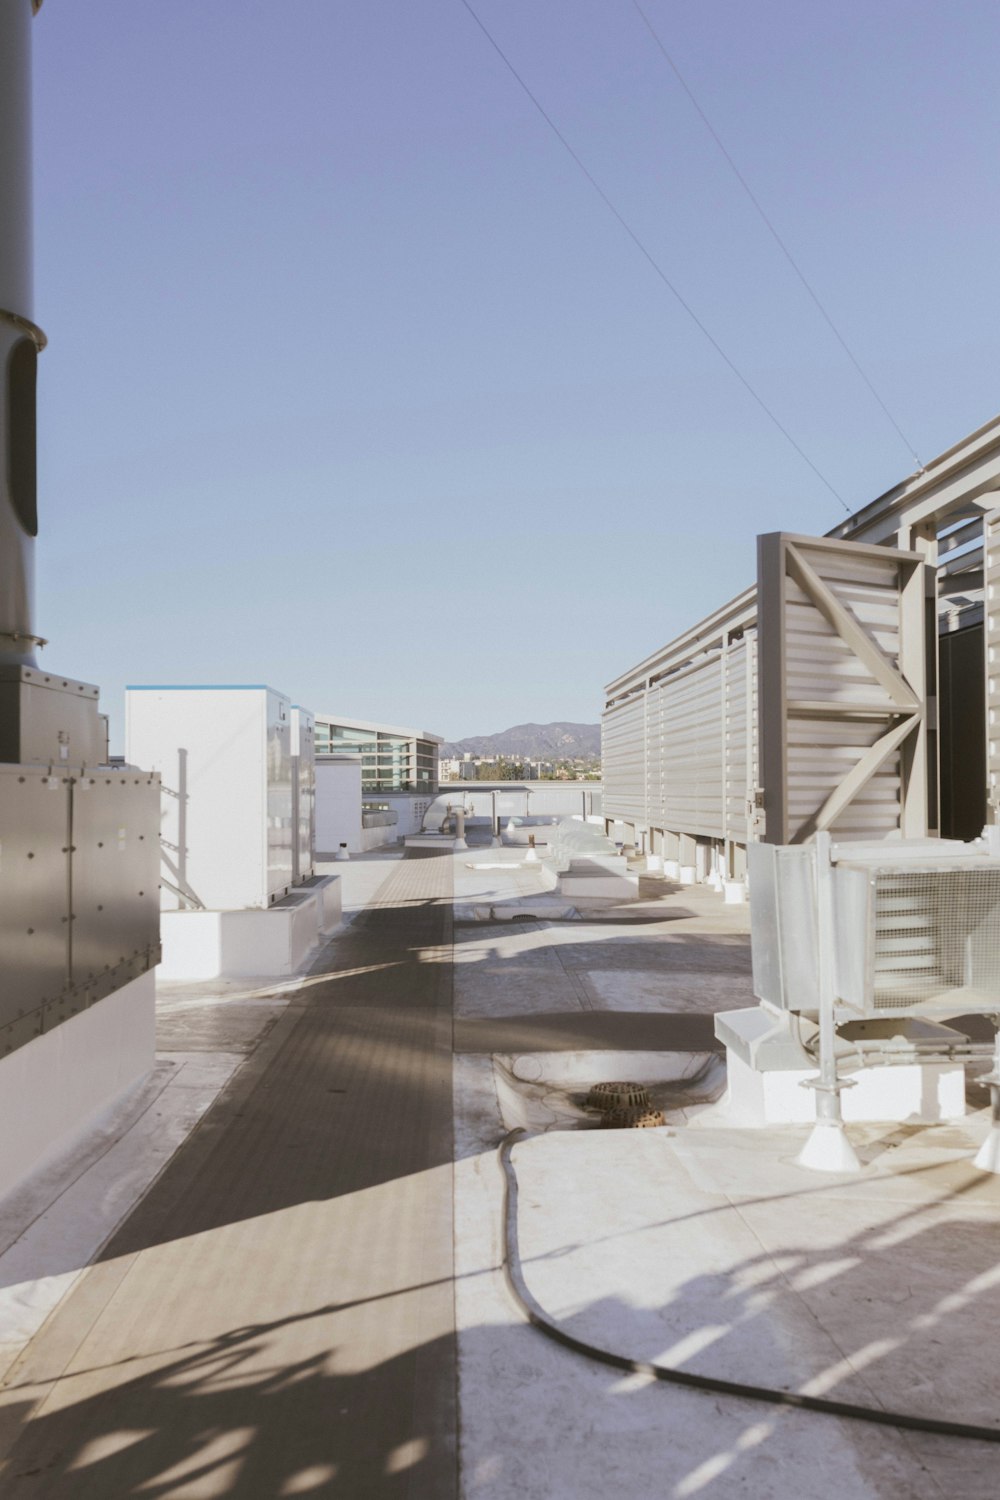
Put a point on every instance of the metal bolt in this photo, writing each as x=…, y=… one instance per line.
x=30, y=931
x=30, y=855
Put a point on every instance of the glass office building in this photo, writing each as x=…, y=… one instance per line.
x=392, y=759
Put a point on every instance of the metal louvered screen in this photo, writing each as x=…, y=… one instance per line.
x=914, y=937
x=936, y=932
x=623, y=757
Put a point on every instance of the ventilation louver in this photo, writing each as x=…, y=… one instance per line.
x=916, y=928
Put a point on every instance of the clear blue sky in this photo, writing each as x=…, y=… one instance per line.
x=355, y=386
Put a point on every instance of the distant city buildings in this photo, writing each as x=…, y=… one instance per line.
x=510, y=768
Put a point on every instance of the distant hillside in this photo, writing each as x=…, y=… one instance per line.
x=533, y=742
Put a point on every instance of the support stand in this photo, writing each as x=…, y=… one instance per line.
x=987, y=1158
x=828, y=1148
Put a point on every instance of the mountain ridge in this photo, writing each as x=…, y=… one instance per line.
x=560, y=740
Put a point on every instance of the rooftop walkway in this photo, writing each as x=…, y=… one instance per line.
x=308, y=1299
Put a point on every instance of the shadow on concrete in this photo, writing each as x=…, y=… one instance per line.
x=217, y=1421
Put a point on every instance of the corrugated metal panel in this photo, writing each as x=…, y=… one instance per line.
x=623, y=760
x=740, y=735
x=991, y=526
x=655, y=765
x=693, y=793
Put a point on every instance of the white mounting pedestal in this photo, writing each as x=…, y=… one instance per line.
x=828, y=1150
x=767, y=1067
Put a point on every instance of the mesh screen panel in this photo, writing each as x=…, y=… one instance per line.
x=936, y=931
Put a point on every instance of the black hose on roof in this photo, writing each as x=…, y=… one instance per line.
x=539, y=1319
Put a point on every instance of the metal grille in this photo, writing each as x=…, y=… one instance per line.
x=936, y=932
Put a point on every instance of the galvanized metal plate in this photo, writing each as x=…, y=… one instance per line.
x=115, y=872
x=34, y=890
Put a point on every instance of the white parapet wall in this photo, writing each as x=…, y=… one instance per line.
x=58, y=1085
x=251, y=943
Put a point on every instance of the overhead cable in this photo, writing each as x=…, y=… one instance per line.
x=775, y=235
x=654, y=263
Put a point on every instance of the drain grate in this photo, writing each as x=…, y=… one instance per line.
x=632, y=1119
x=609, y=1096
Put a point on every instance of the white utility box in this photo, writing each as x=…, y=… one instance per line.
x=224, y=756
x=303, y=793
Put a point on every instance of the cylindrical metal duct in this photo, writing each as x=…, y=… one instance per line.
x=20, y=340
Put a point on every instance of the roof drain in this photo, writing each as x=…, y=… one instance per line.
x=538, y=1318
x=624, y=1106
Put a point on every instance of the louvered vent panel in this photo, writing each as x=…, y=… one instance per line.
x=623, y=755
x=933, y=933
x=693, y=750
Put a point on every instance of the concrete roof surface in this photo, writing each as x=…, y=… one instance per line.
x=295, y=1284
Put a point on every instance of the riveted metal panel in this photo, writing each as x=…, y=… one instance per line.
x=79, y=904
x=115, y=873
x=34, y=898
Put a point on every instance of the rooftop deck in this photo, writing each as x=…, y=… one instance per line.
x=307, y=1299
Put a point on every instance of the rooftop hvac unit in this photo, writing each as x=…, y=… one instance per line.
x=859, y=931
x=915, y=927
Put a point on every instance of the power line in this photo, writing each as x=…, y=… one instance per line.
x=654, y=263
x=775, y=235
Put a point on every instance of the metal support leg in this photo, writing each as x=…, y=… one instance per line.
x=828, y=1148
x=988, y=1156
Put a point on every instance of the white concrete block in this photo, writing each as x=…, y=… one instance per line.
x=216, y=944
x=921, y=1093
x=330, y=904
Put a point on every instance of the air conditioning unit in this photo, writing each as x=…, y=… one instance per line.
x=916, y=927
